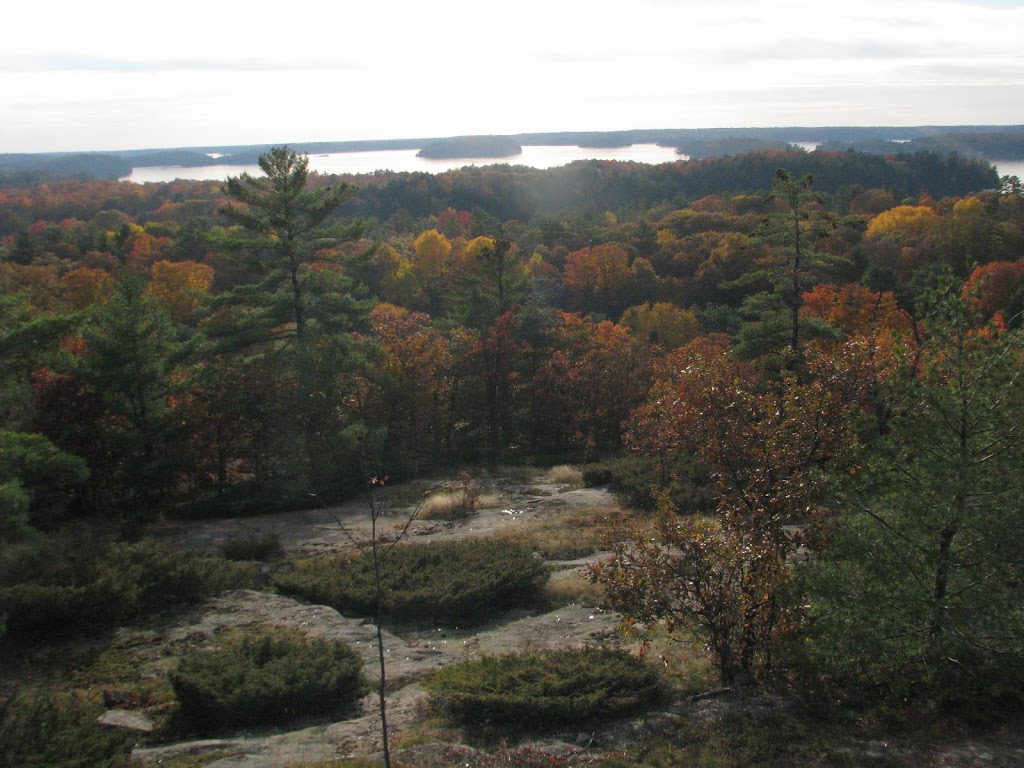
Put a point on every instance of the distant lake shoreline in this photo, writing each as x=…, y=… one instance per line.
x=405, y=160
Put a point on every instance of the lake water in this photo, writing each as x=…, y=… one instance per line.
x=1009, y=168
x=406, y=160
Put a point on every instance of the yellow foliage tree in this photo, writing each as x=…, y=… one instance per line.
x=395, y=275
x=430, y=253
x=904, y=223
x=662, y=323
x=432, y=268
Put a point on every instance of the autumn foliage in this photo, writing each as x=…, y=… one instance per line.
x=216, y=349
x=765, y=439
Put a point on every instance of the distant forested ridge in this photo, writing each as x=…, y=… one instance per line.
x=183, y=157
x=32, y=168
x=1005, y=145
x=518, y=192
x=521, y=192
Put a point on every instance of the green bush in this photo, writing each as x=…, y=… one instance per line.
x=448, y=582
x=566, y=687
x=79, y=581
x=264, y=548
x=263, y=675
x=640, y=479
x=60, y=731
x=163, y=575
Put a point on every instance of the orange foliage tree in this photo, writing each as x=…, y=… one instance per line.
x=763, y=440
x=993, y=288
x=854, y=309
x=585, y=389
x=412, y=385
x=85, y=286
x=141, y=249
x=39, y=282
x=598, y=278
x=179, y=286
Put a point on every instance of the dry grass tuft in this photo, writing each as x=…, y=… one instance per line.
x=490, y=501
x=572, y=586
x=686, y=664
x=451, y=505
x=564, y=474
x=570, y=535
x=445, y=506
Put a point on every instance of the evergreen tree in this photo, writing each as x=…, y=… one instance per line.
x=33, y=473
x=778, y=325
x=497, y=283
x=130, y=363
x=288, y=227
x=294, y=323
x=921, y=584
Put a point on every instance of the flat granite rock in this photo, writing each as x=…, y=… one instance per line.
x=128, y=719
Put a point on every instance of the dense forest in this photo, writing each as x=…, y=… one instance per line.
x=826, y=341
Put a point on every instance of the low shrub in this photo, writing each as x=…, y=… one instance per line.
x=78, y=581
x=640, y=480
x=566, y=687
x=268, y=674
x=46, y=730
x=448, y=582
x=164, y=575
x=49, y=608
x=262, y=548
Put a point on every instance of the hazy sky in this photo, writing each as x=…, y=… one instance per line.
x=120, y=74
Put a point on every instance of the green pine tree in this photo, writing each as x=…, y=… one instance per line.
x=921, y=587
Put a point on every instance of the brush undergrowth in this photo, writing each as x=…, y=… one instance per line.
x=642, y=482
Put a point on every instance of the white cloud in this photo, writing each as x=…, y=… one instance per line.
x=119, y=74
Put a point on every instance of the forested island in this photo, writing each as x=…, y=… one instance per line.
x=471, y=146
x=799, y=372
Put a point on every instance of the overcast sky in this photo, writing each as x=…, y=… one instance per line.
x=123, y=74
